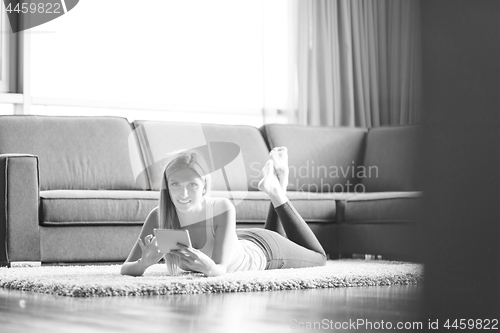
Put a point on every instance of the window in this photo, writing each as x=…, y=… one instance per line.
x=7, y=54
x=178, y=59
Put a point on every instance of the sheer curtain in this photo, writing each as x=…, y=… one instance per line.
x=356, y=62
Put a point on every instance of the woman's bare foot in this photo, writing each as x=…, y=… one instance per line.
x=270, y=185
x=279, y=155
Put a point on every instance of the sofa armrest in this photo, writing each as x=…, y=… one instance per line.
x=19, y=202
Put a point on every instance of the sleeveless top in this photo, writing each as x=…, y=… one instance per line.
x=245, y=256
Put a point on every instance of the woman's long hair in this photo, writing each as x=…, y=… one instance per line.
x=167, y=217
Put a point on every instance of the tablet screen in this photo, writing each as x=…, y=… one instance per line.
x=168, y=238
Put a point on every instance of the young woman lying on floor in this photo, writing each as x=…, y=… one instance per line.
x=217, y=246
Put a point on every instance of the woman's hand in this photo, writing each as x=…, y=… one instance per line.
x=195, y=259
x=151, y=253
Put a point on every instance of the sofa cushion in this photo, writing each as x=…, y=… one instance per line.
x=76, y=153
x=313, y=207
x=76, y=207
x=132, y=207
x=382, y=223
x=391, y=159
x=321, y=159
x=381, y=207
x=159, y=139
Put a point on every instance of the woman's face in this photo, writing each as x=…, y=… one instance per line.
x=186, y=190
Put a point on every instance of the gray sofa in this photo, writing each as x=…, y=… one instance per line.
x=77, y=189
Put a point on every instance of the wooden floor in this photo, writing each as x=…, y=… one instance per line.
x=279, y=311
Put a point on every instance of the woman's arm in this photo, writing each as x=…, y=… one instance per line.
x=144, y=253
x=225, y=236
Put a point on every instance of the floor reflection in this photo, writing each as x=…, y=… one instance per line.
x=277, y=311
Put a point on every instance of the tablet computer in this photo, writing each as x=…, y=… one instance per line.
x=167, y=239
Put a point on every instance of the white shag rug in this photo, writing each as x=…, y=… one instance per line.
x=89, y=281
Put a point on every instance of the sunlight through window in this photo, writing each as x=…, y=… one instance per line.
x=180, y=56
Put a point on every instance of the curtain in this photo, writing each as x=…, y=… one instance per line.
x=355, y=62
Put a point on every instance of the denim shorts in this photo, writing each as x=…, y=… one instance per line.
x=281, y=252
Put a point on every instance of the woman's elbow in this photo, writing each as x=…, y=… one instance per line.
x=127, y=269
x=123, y=270
x=218, y=270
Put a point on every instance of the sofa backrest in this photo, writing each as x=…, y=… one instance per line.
x=243, y=148
x=321, y=159
x=75, y=152
x=391, y=159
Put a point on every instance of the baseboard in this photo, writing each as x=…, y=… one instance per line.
x=14, y=264
x=82, y=263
